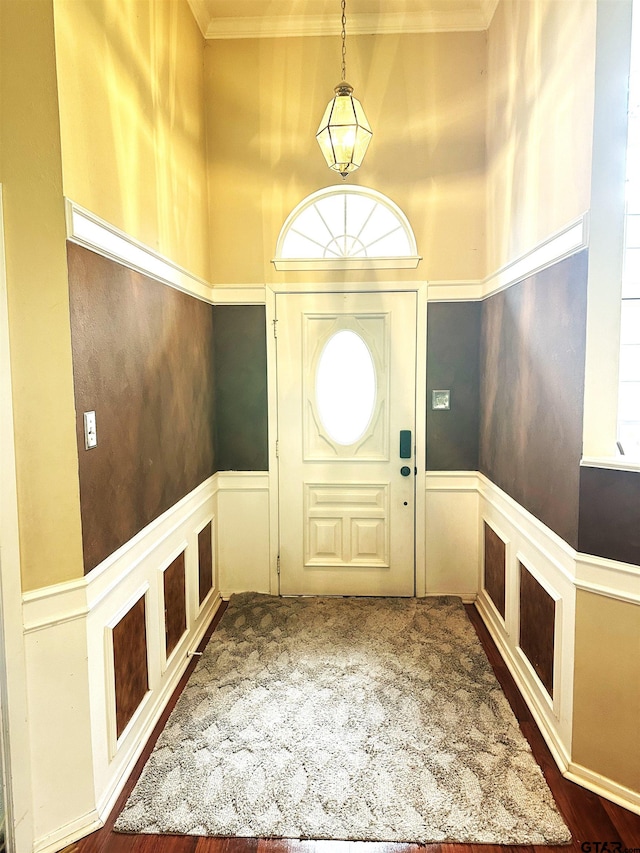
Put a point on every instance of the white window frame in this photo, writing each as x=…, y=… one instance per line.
x=626, y=437
x=606, y=237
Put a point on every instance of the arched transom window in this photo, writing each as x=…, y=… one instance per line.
x=346, y=228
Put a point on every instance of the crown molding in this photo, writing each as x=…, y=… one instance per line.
x=201, y=14
x=278, y=26
x=488, y=10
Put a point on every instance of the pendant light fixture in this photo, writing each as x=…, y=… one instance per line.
x=344, y=133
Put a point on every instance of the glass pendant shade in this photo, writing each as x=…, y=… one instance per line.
x=344, y=133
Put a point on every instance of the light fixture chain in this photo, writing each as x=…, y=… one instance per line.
x=344, y=40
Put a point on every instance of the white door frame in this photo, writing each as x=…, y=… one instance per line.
x=420, y=288
x=13, y=680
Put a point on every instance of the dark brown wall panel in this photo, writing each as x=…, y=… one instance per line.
x=537, y=623
x=495, y=567
x=453, y=345
x=130, y=663
x=241, y=388
x=143, y=360
x=205, y=562
x=175, y=610
x=531, y=392
x=610, y=514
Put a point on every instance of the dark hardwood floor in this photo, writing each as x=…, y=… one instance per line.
x=597, y=826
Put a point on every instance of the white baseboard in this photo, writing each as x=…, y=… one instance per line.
x=604, y=787
x=68, y=833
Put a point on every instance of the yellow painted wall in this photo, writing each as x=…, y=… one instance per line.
x=424, y=96
x=541, y=57
x=38, y=301
x=130, y=76
x=606, y=734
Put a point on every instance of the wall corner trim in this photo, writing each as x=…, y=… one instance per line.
x=89, y=230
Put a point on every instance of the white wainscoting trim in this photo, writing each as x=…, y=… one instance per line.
x=527, y=686
x=452, y=481
x=238, y=502
x=451, y=509
x=562, y=244
x=566, y=242
x=238, y=294
x=244, y=548
x=549, y=544
x=157, y=705
x=604, y=787
x=608, y=577
x=91, y=606
x=64, y=602
x=452, y=291
x=242, y=481
x=551, y=561
x=89, y=230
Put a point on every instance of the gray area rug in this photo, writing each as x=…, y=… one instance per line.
x=355, y=719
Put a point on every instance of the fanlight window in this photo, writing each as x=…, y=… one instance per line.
x=346, y=227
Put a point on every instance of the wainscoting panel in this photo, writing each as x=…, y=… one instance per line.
x=70, y=661
x=452, y=534
x=495, y=567
x=205, y=562
x=105, y=704
x=537, y=627
x=175, y=602
x=60, y=732
x=550, y=564
x=243, y=544
x=130, y=670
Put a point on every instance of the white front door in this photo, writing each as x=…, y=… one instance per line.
x=346, y=372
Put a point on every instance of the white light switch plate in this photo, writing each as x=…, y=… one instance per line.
x=90, y=435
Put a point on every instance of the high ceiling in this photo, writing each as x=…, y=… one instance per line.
x=263, y=18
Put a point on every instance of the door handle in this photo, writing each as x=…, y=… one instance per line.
x=406, y=450
x=405, y=470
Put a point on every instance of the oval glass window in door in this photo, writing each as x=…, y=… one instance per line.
x=345, y=387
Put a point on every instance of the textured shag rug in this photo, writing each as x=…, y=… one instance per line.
x=344, y=718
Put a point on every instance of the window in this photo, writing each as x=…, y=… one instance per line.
x=629, y=391
x=346, y=228
x=345, y=387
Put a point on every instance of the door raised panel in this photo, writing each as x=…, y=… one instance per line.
x=346, y=524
